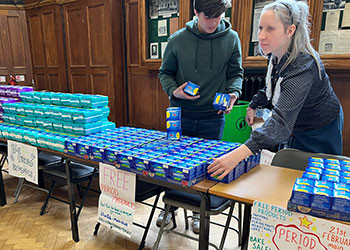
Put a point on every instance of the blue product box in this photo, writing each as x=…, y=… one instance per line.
x=82, y=149
x=345, y=168
x=191, y=88
x=345, y=180
x=182, y=171
x=332, y=178
x=341, y=201
x=316, y=164
x=110, y=154
x=342, y=186
x=345, y=173
x=332, y=166
x=313, y=176
x=328, y=171
x=332, y=161
x=174, y=135
x=97, y=151
x=324, y=184
x=160, y=166
x=322, y=198
x=173, y=125
x=221, y=101
x=344, y=162
x=124, y=159
x=315, y=159
x=141, y=162
x=305, y=181
x=173, y=113
x=314, y=170
x=301, y=195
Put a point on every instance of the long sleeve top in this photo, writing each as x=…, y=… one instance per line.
x=305, y=102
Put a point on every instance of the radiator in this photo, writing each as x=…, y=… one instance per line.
x=251, y=84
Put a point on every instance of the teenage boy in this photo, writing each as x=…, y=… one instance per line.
x=206, y=52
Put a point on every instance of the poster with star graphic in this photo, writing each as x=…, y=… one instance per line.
x=273, y=227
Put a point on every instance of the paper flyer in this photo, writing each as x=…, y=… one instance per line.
x=273, y=227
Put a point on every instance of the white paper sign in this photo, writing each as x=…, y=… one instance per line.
x=20, y=78
x=273, y=227
x=2, y=78
x=23, y=161
x=117, y=206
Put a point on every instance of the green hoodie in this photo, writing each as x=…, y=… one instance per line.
x=212, y=61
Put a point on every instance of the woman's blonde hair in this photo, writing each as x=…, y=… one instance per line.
x=295, y=12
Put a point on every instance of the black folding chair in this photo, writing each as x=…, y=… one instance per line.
x=57, y=175
x=189, y=201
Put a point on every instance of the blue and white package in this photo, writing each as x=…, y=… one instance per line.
x=301, y=195
x=221, y=101
x=191, y=88
x=322, y=198
x=341, y=201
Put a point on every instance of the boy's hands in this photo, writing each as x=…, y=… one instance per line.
x=179, y=93
x=232, y=101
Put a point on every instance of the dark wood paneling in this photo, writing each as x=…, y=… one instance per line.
x=50, y=39
x=132, y=33
x=37, y=42
x=14, y=50
x=98, y=42
x=41, y=82
x=79, y=83
x=340, y=83
x=47, y=47
x=95, y=61
x=76, y=40
x=5, y=52
x=142, y=100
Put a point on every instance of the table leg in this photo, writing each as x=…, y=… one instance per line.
x=246, y=226
x=72, y=210
x=204, y=223
x=2, y=186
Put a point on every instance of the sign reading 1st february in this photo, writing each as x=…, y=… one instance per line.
x=273, y=227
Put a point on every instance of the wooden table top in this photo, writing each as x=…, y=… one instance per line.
x=204, y=185
x=265, y=183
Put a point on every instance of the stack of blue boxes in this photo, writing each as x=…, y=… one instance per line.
x=173, y=123
x=323, y=190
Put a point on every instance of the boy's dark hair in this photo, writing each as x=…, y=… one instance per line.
x=211, y=8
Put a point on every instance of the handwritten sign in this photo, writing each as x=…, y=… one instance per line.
x=23, y=161
x=273, y=227
x=117, y=206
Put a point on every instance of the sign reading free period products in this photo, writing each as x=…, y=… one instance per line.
x=273, y=227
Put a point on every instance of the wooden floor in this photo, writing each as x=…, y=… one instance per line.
x=21, y=226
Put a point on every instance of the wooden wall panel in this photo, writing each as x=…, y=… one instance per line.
x=14, y=49
x=5, y=52
x=53, y=82
x=79, y=83
x=76, y=39
x=37, y=42
x=340, y=83
x=142, y=100
x=98, y=42
x=100, y=83
x=50, y=39
x=132, y=34
x=47, y=47
x=41, y=82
